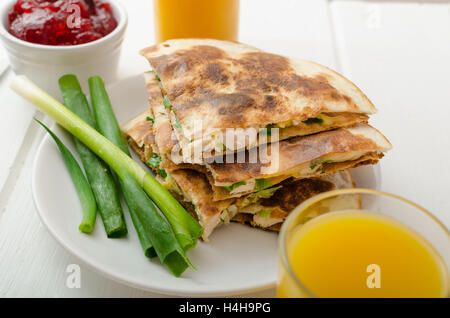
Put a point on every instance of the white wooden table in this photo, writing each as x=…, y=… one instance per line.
x=398, y=52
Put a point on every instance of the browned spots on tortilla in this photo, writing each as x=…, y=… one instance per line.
x=239, y=90
x=270, y=102
x=149, y=49
x=264, y=62
x=291, y=194
x=215, y=73
x=228, y=103
x=294, y=152
x=178, y=63
x=230, y=172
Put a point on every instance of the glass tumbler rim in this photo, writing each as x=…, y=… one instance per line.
x=301, y=207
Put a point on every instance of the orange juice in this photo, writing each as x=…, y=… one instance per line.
x=215, y=19
x=361, y=254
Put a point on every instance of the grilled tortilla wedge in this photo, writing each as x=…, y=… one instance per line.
x=305, y=157
x=232, y=85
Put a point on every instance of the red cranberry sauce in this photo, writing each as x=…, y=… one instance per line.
x=60, y=22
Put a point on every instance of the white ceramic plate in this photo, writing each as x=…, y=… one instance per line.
x=238, y=259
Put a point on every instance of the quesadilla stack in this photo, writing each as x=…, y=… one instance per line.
x=320, y=119
x=226, y=85
x=266, y=208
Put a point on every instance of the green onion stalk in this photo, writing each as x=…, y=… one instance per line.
x=98, y=173
x=142, y=210
x=82, y=186
x=186, y=228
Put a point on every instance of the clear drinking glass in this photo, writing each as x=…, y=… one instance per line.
x=403, y=211
x=212, y=19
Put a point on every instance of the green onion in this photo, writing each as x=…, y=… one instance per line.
x=186, y=229
x=261, y=184
x=161, y=236
x=158, y=231
x=144, y=237
x=148, y=118
x=98, y=173
x=234, y=186
x=81, y=185
x=134, y=209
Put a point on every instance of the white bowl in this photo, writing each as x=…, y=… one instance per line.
x=45, y=64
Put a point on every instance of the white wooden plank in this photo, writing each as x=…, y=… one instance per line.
x=398, y=53
x=4, y=64
x=16, y=116
x=290, y=27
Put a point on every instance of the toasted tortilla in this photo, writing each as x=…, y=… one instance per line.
x=194, y=187
x=270, y=213
x=316, y=155
x=232, y=85
x=307, y=156
x=195, y=190
x=142, y=135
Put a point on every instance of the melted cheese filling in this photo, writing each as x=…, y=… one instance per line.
x=215, y=142
x=303, y=170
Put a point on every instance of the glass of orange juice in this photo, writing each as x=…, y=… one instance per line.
x=362, y=243
x=213, y=19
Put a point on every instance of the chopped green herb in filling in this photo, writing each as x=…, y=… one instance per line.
x=261, y=184
x=157, y=78
x=314, y=164
x=177, y=124
x=166, y=103
x=162, y=173
x=155, y=160
x=267, y=130
x=263, y=194
x=234, y=186
x=266, y=193
x=316, y=120
x=265, y=213
x=150, y=119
